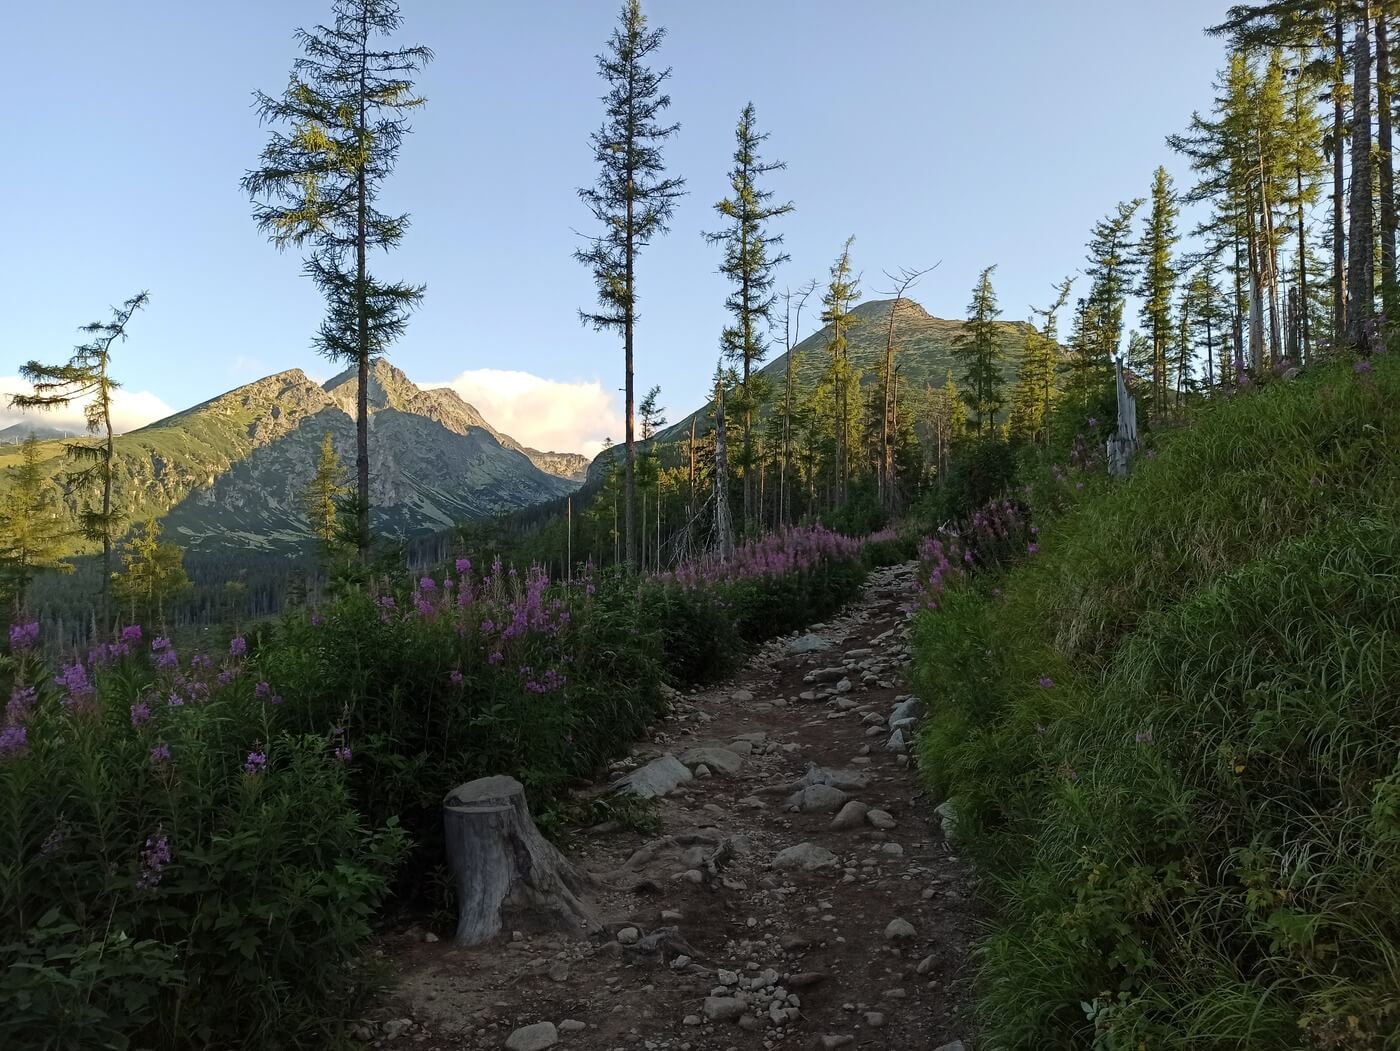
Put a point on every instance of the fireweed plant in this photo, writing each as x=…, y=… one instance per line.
x=178, y=863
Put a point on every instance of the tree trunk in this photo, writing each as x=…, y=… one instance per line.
x=1339, y=236
x=630, y=483
x=1361, y=262
x=1390, y=294
x=507, y=875
x=724, y=526
x=362, y=319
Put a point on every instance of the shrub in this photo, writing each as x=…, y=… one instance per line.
x=177, y=863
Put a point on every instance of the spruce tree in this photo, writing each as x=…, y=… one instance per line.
x=977, y=348
x=632, y=201
x=33, y=527
x=87, y=376
x=324, y=496
x=1159, y=240
x=153, y=573
x=1361, y=262
x=1112, y=267
x=1034, y=396
x=792, y=330
x=338, y=127
x=838, y=305
x=750, y=260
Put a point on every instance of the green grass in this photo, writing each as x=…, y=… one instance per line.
x=1192, y=838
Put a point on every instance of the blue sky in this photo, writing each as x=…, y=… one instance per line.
x=970, y=134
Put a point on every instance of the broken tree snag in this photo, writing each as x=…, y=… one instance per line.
x=505, y=872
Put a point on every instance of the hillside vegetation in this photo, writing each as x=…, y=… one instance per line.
x=1169, y=736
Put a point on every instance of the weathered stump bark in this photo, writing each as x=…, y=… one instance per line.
x=506, y=873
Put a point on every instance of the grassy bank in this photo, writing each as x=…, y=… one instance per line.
x=1171, y=735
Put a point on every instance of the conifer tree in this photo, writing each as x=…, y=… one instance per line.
x=1112, y=267
x=153, y=572
x=87, y=376
x=750, y=260
x=323, y=498
x=1159, y=240
x=338, y=127
x=838, y=304
x=1360, y=215
x=632, y=201
x=978, y=350
x=1034, y=397
x=889, y=423
x=33, y=528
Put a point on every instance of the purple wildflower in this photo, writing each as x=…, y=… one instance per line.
x=160, y=754
x=24, y=636
x=154, y=857
x=1031, y=549
x=262, y=691
x=14, y=739
x=1145, y=737
x=427, y=584
x=175, y=701
x=342, y=753
x=159, y=644
x=237, y=646
x=1362, y=367
x=463, y=565
x=455, y=677
x=22, y=699
x=140, y=713
x=1046, y=682
x=131, y=633
x=75, y=682
x=255, y=763
x=167, y=659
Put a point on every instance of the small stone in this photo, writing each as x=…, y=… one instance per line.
x=430, y=938
x=831, y=1043
x=892, y=848
x=874, y=1019
x=852, y=815
x=572, y=1025
x=727, y=977
x=896, y=742
x=629, y=936
x=808, y=857
x=690, y=1020
x=741, y=696
x=680, y=963
x=900, y=930
x=956, y=1045
x=396, y=1027
x=818, y=799
x=925, y=965
x=724, y=1008
x=882, y=819
x=558, y=971
x=701, y=770
x=535, y=1037
x=807, y=979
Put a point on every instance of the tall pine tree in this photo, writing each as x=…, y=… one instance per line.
x=750, y=260
x=1159, y=241
x=838, y=305
x=977, y=348
x=632, y=201
x=337, y=129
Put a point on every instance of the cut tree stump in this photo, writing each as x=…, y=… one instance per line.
x=506, y=873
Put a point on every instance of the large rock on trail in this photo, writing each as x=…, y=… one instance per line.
x=719, y=760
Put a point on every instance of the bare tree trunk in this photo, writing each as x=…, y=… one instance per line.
x=506, y=873
x=724, y=526
x=630, y=394
x=1339, y=236
x=1361, y=262
x=1390, y=293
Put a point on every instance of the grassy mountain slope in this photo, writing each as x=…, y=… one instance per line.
x=1170, y=738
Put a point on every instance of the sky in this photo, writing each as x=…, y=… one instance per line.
x=934, y=132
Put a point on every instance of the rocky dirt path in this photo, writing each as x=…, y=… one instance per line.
x=799, y=892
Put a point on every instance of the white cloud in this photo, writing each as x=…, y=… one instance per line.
x=130, y=409
x=550, y=415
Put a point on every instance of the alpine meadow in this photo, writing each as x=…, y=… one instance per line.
x=701, y=527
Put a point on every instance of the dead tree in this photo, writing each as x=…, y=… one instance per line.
x=889, y=424
x=506, y=873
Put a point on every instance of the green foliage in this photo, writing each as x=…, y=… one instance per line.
x=978, y=349
x=1170, y=738
x=32, y=527
x=179, y=867
x=153, y=573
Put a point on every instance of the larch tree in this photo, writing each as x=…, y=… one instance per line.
x=978, y=349
x=336, y=133
x=1158, y=268
x=1034, y=396
x=838, y=306
x=632, y=201
x=751, y=257
x=87, y=377
x=33, y=526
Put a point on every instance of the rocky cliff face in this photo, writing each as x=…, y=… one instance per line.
x=231, y=471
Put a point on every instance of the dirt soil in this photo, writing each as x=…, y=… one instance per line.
x=711, y=939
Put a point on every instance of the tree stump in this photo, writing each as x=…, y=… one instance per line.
x=505, y=872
